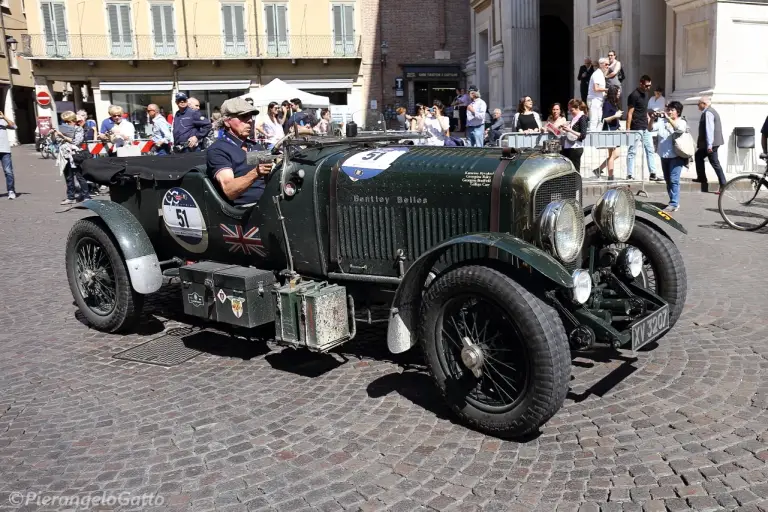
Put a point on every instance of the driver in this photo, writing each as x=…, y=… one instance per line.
x=241, y=183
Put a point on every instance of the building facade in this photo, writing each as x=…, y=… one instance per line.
x=691, y=47
x=134, y=52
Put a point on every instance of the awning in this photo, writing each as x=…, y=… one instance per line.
x=136, y=86
x=329, y=84
x=214, y=85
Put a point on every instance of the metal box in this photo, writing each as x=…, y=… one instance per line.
x=244, y=296
x=197, y=295
x=313, y=315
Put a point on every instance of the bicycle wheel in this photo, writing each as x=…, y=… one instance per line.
x=743, y=203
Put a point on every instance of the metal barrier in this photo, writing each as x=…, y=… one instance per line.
x=596, y=146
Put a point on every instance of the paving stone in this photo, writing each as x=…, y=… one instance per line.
x=249, y=425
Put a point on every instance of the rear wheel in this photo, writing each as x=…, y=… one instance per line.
x=743, y=203
x=98, y=278
x=498, y=354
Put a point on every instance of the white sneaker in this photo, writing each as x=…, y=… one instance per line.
x=11, y=195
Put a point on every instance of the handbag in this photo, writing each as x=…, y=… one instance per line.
x=685, y=147
x=620, y=75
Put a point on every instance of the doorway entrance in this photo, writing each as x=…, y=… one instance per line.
x=427, y=92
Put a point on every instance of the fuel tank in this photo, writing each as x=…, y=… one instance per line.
x=373, y=211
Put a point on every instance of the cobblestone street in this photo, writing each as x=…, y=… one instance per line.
x=250, y=426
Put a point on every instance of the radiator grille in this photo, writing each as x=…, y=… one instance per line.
x=427, y=227
x=367, y=232
x=562, y=187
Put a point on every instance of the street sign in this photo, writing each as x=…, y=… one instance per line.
x=44, y=125
x=399, y=86
x=43, y=98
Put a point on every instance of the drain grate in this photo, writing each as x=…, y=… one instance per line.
x=167, y=350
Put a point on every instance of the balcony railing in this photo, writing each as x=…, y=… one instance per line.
x=144, y=47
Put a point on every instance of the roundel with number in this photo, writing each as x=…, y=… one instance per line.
x=184, y=220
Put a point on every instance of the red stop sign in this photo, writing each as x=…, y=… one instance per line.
x=43, y=98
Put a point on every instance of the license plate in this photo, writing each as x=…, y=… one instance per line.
x=650, y=328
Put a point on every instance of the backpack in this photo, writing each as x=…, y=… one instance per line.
x=621, y=75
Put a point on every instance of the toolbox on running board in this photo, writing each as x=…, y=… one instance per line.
x=244, y=296
x=197, y=295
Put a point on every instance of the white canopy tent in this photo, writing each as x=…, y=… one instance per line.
x=279, y=91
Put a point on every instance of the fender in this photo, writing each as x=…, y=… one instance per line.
x=404, y=314
x=140, y=258
x=651, y=209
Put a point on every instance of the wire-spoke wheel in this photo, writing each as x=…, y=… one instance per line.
x=498, y=354
x=98, y=277
x=743, y=203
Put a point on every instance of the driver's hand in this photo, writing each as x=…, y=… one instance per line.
x=265, y=169
x=192, y=141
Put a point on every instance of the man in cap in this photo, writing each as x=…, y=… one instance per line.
x=475, y=125
x=190, y=127
x=228, y=168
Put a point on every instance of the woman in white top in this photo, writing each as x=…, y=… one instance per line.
x=658, y=103
x=437, y=125
x=324, y=126
x=526, y=120
x=271, y=127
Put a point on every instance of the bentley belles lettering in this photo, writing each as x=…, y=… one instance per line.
x=387, y=200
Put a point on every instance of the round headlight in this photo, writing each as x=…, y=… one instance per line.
x=631, y=261
x=561, y=229
x=614, y=214
x=582, y=285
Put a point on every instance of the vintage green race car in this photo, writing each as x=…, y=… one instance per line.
x=482, y=256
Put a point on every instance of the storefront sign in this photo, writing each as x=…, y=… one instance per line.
x=44, y=125
x=399, y=86
x=432, y=73
x=43, y=99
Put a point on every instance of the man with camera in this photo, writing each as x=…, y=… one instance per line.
x=5, y=153
x=637, y=120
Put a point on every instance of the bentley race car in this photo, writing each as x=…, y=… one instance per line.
x=482, y=256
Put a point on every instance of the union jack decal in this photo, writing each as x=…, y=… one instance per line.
x=247, y=243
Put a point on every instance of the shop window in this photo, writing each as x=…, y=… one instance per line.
x=210, y=101
x=134, y=106
x=277, y=29
x=233, y=18
x=343, y=29
x=55, y=28
x=120, y=32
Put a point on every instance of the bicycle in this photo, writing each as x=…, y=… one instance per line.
x=748, y=191
x=49, y=147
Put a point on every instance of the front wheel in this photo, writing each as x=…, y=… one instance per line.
x=743, y=203
x=98, y=278
x=498, y=355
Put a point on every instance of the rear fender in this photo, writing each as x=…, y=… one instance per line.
x=654, y=212
x=404, y=315
x=140, y=258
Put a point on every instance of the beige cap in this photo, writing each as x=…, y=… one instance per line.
x=234, y=107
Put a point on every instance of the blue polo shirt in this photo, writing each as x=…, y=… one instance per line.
x=228, y=152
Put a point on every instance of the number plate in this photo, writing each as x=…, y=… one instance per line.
x=650, y=328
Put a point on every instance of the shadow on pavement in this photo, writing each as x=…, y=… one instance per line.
x=607, y=383
x=414, y=386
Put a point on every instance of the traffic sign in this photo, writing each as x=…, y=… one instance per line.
x=43, y=98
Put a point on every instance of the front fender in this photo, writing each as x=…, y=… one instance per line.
x=651, y=209
x=140, y=258
x=404, y=314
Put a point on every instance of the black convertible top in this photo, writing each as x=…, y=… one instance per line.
x=106, y=171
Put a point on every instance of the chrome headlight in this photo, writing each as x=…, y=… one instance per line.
x=614, y=214
x=561, y=229
x=582, y=286
x=631, y=262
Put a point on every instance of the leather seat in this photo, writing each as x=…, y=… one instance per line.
x=214, y=197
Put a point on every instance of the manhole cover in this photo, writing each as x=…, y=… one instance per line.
x=166, y=350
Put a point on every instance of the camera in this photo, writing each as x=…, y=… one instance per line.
x=657, y=115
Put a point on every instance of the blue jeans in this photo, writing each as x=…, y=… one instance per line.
x=476, y=135
x=672, y=168
x=164, y=149
x=650, y=154
x=8, y=169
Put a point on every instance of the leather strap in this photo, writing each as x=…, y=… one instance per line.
x=495, y=220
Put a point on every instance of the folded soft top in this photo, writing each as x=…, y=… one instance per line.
x=105, y=171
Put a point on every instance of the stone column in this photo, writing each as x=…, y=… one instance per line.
x=520, y=37
x=580, y=39
x=77, y=95
x=495, y=77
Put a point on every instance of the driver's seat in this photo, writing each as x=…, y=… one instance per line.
x=216, y=198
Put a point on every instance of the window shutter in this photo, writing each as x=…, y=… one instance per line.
x=50, y=35
x=349, y=28
x=282, y=28
x=157, y=24
x=114, y=24
x=338, y=29
x=60, y=22
x=239, y=22
x=168, y=27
